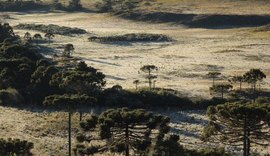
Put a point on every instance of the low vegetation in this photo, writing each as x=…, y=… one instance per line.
x=51, y=28
x=12, y=5
x=15, y=147
x=132, y=38
x=265, y=28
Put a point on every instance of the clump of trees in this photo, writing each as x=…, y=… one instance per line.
x=118, y=5
x=141, y=37
x=253, y=77
x=15, y=147
x=239, y=124
x=53, y=29
x=16, y=5
x=149, y=69
x=34, y=77
x=145, y=98
x=74, y=5
x=123, y=130
x=6, y=32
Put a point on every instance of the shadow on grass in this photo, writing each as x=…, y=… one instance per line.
x=209, y=21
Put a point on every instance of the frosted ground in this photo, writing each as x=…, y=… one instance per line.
x=182, y=66
x=182, y=63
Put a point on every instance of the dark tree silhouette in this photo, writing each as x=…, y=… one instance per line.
x=122, y=130
x=75, y=4
x=253, y=76
x=149, y=69
x=237, y=79
x=221, y=89
x=82, y=80
x=6, y=32
x=18, y=147
x=27, y=36
x=69, y=103
x=213, y=76
x=68, y=50
x=239, y=124
x=136, y=82
x=37, y=37
x=49, y=36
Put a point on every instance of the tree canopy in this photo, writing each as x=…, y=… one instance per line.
x=253, y=76
x=241, y=124
x=123, y=131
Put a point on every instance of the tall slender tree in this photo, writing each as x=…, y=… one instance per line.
x=149, y=69
x=237, y=79
x=136, y=82
x=213, y=76
x=68, y=103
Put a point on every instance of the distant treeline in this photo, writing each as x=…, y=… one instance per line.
x=20, y=5
x=141, y=37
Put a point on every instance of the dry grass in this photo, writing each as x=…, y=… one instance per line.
x=181, y=63
x=48, y=131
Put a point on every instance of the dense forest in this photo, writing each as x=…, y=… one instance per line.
x=238, y=116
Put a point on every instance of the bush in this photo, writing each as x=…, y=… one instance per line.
x=51, y=28
x=206, y=152
x=15, y=147
x=20, y=5
x=144, y=98
x=263, y=100
x=10, y=97
x=204, y=103
x=132, y=38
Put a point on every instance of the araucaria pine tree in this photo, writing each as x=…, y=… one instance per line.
x=122, y=131
x=239, y=124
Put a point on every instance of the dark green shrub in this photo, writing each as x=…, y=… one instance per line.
x=54, y=29
x=206, y=152
x=15, y=147
x=133, y=38
x=10, y=97
x=20, y=5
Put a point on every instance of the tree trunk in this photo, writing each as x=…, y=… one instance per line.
x=69, y=133
x=240, y=86
x=127, y=140
x=248, y=142
x=150, y=84
x=213, y=81
x=222, y=93
x=81, y=115
x=244, y=138
x=136, y=86
x=149, y=77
